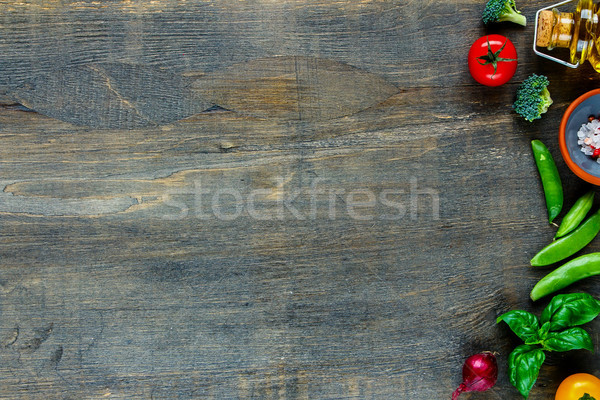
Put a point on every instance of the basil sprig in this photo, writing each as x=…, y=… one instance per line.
x=557, y=329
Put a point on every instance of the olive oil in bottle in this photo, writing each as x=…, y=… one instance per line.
x=578, y=31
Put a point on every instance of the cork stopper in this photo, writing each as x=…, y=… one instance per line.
x=554, y=29
x=544, y=28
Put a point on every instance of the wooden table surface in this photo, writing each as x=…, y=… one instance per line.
x=292, y=199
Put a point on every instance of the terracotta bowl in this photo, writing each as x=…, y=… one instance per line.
x=576, y=115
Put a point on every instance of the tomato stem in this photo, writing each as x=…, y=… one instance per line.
x=493, y=58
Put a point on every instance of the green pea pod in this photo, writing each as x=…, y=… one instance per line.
x=570, y=272
x=568, y=245
x=576, y=214
x=551, y=182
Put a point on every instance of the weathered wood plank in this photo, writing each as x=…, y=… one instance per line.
x=123, y=96
x=406, y=41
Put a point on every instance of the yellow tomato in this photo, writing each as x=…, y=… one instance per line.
x=576, y=386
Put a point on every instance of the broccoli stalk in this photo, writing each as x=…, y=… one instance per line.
x=502, y=10
x=533, y=97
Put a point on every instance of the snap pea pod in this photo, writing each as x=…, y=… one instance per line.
x=551, y=182
x=571, y=272
x=568, y=245
x=576, y=214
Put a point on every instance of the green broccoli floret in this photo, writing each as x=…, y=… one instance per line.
x=533, y=97
x=502, y=10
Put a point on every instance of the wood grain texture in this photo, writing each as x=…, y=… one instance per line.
x=116, y=95
x=348, y=224
x=124, y=96
x=295, y=88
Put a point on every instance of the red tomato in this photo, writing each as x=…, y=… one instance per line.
x=492, y=60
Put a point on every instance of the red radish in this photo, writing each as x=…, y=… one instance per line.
x=480, y=373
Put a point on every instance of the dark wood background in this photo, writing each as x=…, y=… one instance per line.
x=239, y=199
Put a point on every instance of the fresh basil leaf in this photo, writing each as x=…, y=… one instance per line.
x=571, y=339
x=568, y=310
x=543, y=331
x=533, y=340
x=524, y=324
x=524, y=365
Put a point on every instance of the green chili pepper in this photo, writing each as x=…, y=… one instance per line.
x=571, y=272
x=576, y=214
x=551, y=182
x=568, y=245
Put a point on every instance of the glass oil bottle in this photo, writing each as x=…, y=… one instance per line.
x=579, y=31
